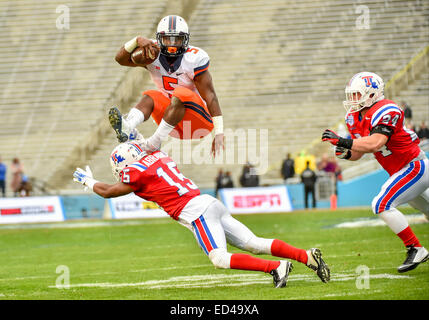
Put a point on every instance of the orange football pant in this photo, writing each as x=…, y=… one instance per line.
x=197, y=121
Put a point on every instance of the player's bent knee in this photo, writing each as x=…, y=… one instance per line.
x=183, y=94
x=220, y=258
x=258, y=245
x=152, y=94
x=176, y=102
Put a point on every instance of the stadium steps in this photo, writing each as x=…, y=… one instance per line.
x=279, y=65
x=55, y=82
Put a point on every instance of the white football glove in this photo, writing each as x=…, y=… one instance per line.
x=84, y=177
x=136, y=137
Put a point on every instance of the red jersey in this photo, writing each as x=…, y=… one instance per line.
x=156, y=178
x=402, y=145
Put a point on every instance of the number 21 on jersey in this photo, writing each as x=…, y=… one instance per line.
x=172, y=174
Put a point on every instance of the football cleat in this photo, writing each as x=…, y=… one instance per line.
x=281, y=274
x=415, y=256
x=116, y=121
x=316, y=263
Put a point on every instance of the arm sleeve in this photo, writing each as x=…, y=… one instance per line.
x=383, y=129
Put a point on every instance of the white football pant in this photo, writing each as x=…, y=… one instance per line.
x=216, y=227
x=409, y=185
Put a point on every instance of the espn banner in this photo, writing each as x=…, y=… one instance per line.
x=256, y=200
x=132, y=207
x=31, y=209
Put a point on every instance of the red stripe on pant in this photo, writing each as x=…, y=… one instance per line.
x=410, y=176
x=203, y=235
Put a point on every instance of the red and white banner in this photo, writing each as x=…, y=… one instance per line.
x=31, y=209
x=131, y=206
x=256, y=200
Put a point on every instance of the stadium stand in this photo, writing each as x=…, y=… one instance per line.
x=279, y=69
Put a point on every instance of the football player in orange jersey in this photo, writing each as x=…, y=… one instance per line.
x=185, y=104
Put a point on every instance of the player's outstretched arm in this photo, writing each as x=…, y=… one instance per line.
x=369, y=144
x=205, y=87
x=112, y=190
x=105, y=190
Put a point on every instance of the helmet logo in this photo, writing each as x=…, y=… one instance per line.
x=369, y=82
x=117, y=158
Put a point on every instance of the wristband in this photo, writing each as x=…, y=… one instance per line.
x=218, y=124
x=131, y=45
x=89, y=182
x=345, y=143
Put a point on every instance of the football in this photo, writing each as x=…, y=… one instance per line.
x=139, y=57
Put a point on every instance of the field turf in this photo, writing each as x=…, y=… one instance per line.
x=158, y=259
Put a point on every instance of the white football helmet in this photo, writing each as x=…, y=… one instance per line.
x=123, y=155
x=172, y=35
x=363, y=90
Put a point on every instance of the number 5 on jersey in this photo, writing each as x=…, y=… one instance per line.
x=167, y=81
x=176, y=175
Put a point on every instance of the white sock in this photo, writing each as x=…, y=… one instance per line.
x=134, y=118
x=160, y=134
x=394, y=219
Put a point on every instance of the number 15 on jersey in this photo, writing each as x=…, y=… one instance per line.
x=172, y=174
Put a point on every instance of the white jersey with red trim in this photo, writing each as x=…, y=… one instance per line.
x=181, y=73
x=403, y=144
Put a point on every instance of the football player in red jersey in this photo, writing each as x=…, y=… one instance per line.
x=376, y=125
x=155, y=177
x=185, y=99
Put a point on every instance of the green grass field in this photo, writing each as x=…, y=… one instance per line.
x=158, y=259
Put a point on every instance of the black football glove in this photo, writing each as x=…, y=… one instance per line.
x=342, y=153
x=336, y=140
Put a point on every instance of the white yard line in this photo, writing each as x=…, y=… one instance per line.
x=225, y=280
x=376, y=222
x=54, y=275
x=84, y=224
